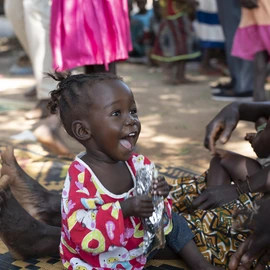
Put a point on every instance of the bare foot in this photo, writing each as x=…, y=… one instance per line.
x=40, y=203
x=22, y=234
x=48, y=135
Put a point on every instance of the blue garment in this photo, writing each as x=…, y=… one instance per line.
x=207, y=25
x=145, y=18
x=180, y=235
x=241, y=71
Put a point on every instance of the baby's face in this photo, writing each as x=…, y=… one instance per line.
x=115, y=126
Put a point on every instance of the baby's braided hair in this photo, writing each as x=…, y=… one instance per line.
x=71, y=97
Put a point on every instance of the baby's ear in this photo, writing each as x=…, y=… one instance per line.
x=81, y=130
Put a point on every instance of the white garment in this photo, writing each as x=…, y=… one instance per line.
x=207, y=25
x=30, y=20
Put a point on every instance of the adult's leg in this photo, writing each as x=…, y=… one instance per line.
x=241, y=71
x=37, y=23
x=40, y=203
x=23, y=235
x=180, y=75
x=14, y=11
x=217, y=175
x=100, y=68
x=260, y=73
x=238, y=166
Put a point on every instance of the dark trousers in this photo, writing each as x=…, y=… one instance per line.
x=241, y=71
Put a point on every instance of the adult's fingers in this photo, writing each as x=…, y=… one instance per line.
x=199, y=200
x=257, y=247
x=226, y=133
x=263, y=262
x=236, y=258
x=212, y=135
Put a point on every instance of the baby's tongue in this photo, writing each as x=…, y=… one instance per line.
x=126, y=144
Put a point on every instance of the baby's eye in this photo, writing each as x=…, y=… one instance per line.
x=116, y=113
x=133, y=111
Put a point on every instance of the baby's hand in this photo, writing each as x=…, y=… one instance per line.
x=250, y=136
x=161, y=187
x=137, y=206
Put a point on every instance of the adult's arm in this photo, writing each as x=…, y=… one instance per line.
x=223, y=124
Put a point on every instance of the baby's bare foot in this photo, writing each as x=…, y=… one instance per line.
x=22, y=234
x=40, y=203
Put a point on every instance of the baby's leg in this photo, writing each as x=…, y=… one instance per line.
x=194, y=258
x=180, y=240
x=24, y=235
x=238, y=166
x=217, y=175
x=40, y=203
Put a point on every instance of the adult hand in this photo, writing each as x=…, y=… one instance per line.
x=261, y=143
x=215, y=196
x=222, y=126
x=250, y=4
x=138, y=206
x=257, y=245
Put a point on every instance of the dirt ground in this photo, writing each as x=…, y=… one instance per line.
x=173, y=117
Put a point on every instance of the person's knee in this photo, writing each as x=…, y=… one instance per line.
x=215, y=161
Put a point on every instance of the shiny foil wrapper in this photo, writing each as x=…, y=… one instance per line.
x=154, y=226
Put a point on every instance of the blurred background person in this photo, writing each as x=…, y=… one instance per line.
x=30, y=20
x=241, y=71
x=94, y=34
x=211, y=37
x=137, y=34
x=252, y=41
x=176, y=39
x=154, y=28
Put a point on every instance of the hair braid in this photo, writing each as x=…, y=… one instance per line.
x=71, y=97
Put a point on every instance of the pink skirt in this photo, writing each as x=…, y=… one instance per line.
x=253, y=33
x=89, y=32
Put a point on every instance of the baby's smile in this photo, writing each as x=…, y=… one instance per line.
x=129, y=141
